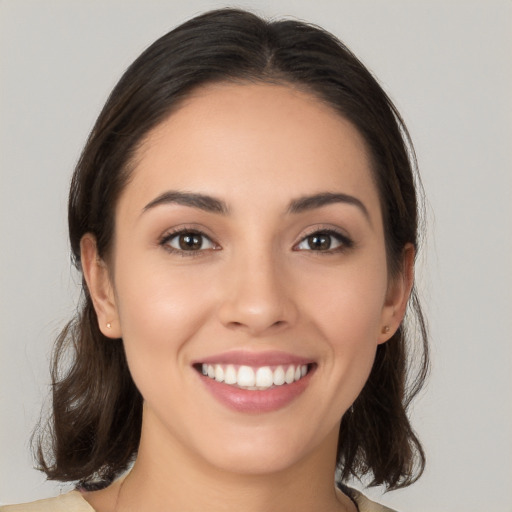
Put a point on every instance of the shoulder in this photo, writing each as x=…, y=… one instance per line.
x=70, y=502
x=363, y=503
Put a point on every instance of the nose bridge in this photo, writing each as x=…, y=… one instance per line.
x=257, y=297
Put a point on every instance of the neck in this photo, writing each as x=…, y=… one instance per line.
x=167, y=478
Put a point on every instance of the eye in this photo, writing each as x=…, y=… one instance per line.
x=187, y=241
x=324, y=241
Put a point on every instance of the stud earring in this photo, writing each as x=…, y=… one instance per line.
x=385, y=329
x=109, y=325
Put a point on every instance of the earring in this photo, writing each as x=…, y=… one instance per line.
x=109, y=325
x=385, y=329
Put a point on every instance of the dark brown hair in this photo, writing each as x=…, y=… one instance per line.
x=97, y=410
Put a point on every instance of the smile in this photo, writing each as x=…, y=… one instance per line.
x=255, y=382
x=255, y=378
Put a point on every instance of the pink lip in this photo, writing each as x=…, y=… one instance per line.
x=244, y=400
x=243, y=357
x=254, y=401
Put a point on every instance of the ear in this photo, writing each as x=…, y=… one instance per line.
x=397, y=295
x=98, y=281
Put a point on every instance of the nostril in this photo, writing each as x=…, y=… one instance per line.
x=256, y=313
x=276, y=324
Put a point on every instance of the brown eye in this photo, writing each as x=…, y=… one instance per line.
x=188, y=241
x=319, y=242
x=324, y=241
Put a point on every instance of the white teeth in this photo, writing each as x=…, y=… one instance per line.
x=264, y=377
x=254, y=378
x=289, y=376
x=219, y=373
x=246, y=377
x=230, y=375
x=278, y=376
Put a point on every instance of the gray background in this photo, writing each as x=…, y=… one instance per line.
x=447, y=65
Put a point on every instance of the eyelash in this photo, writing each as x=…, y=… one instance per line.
x=168, y=237
x=345, y=242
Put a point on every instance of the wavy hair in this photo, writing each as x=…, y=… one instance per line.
x=94, y=430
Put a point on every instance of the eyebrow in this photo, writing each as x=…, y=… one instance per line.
x=201, y=201
x=214, y=205
x=306, y=203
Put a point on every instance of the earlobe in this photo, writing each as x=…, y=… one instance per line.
x=398, y=295
x=100, y=288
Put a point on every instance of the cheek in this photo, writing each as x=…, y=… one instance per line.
x=349, y=303
x=159, y=313
x=348, y=313
x=152, y=297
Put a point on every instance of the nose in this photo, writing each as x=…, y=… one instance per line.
x=258, y=298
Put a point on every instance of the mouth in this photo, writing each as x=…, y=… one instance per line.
x=254, y=378
x=255, y=382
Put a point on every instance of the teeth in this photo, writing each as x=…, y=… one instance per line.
x=219, y=373
x=264, y=377
x=246, y=377
x=289, y=376
x=278, y=376
x=254, y=378
x=230, y=375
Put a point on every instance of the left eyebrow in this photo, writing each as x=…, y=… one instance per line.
x=306, y=203
x=194, y=200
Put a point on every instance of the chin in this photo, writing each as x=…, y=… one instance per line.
x=267, y=450
x=256, y=461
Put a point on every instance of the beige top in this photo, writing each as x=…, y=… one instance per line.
x=74, y=502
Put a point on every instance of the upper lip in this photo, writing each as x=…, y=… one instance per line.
x=243, y=357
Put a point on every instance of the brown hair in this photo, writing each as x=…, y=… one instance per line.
x=97, y=410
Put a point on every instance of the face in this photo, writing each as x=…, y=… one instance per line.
x=248, y=277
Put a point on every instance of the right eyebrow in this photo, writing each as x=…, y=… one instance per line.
x=192, y=199
x=306, y=203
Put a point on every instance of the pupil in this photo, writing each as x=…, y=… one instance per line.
x=319, y=242
x=190, y=242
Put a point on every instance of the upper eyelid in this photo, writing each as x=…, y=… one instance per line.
x=203, y=231
x=165, y=239
x=346, y=240
x=165, y=243
x=324, y=229
x=200, y=230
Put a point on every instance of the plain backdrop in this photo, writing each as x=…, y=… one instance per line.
x=447, y=65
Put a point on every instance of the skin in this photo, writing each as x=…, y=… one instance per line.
x=257, y=284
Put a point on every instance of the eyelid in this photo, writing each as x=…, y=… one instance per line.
x=345, y=240
x=172, y=233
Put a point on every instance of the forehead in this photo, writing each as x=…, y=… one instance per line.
x=238, y=140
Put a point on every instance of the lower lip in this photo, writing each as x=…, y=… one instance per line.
x=256, y=401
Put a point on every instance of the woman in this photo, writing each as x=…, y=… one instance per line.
x=245, y=218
